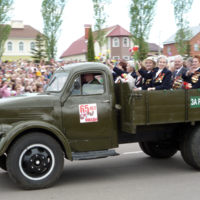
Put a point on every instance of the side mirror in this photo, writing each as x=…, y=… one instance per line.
x=77, y=85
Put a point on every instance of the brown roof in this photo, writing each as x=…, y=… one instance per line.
x=119, y=31
x=154, y=47
x=26, y=32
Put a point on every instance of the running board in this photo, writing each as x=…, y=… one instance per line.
x=93, y=154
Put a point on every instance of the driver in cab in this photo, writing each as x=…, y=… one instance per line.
x=89, y=78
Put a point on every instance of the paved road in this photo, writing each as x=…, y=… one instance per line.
x=130, y=176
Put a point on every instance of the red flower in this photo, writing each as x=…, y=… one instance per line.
x=184, y=83
x=135, y=48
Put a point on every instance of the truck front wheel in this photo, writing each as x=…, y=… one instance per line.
x=3, y=162
x=160, y=150
x=35, y=161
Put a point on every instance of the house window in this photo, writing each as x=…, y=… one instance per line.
x=10, y=46
x=168, y=50
x=126, y=57
x=125, y=42
x=21, y=46
x=196, y=47
x=32, y=45
x=116, y=57
x=115, y=42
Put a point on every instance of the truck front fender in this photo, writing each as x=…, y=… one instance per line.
x=9, y=132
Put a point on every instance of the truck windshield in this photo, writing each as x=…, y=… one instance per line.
x=57, y=82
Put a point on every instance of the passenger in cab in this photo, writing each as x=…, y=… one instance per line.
x=192, y=76
x=160, y=77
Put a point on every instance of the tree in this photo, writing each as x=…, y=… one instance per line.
x=39, y=51
x=142, y=13
x=100, y=17
x=90, y=47
x=6, y=8
x=52, y=12
x=183, y=35
x=188, y=50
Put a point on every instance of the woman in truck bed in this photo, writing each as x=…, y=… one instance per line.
x=192, y=76
x=160, y=77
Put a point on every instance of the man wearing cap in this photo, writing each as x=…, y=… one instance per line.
x=179, y=69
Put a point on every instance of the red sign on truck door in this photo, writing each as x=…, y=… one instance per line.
x=88, y=113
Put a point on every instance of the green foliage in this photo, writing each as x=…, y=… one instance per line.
x=52, y=12
x=142, y=13
x=90, y=47
x=100, y=17
x=39, y=51
x=188, y=50
x=181, y=8
x=6, y=8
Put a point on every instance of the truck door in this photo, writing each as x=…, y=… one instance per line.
x=88, y=115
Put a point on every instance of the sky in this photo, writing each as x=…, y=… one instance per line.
x=80, y=12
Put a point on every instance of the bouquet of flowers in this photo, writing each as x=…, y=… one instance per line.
x=124, y=76
x=135, y=55
x=177, y=83
x=186, y=85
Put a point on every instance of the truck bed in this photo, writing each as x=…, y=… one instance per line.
x=156, y=107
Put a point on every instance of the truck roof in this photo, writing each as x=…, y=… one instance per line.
x=85, y=66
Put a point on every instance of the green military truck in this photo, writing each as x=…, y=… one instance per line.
x=76, y=120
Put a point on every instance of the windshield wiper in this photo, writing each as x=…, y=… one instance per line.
x=52, y=81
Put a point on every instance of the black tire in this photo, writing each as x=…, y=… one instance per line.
x=184, y=147
x=35, y=161
x=3, y=162
x=193, y=146
x=160, y=150
x=143, y=148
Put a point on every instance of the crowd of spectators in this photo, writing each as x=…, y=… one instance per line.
x=23, y=76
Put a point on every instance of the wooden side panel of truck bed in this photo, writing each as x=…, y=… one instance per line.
x=156, y=107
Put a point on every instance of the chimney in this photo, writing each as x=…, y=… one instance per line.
x=87, y=27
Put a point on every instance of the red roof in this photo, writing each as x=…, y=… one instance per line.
x=77, y=47
x=80, y=45
x=119, y=31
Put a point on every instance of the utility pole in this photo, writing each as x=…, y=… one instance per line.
x=159, y=42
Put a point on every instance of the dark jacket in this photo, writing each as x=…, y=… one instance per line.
x=161, y=82
x=94, y=81
x=147, y=76
x=119, y=72
x=190, y=79
x=183, y=70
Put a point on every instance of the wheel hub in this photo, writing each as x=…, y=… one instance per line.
x=36, y=162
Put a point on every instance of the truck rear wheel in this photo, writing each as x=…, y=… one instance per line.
x=3, y=162
x=142, y=146
x=191, y=148
x=160, y=150
x=35, y=161
x=184, y=148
